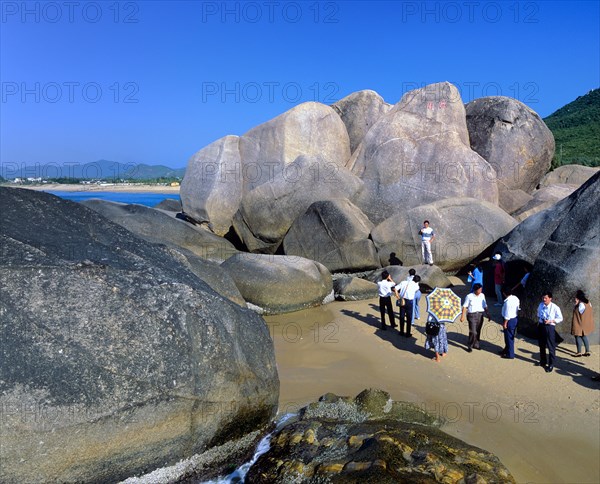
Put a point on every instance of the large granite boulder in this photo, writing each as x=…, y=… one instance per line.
x=169, y=205
x=267, y=212
x=543, y=198
x=418, y=153
x=334, y=233
x=514, y=200
x=212, y=188
x=431, y=276
x=212, y=273
x=371, y=438
x=359, y=111
x=563, y=245
x=463, y=227
x=273, y=284
x=354, y=289
x=115, y=359
x=512, y=138
x=157, y=227
x=569, y=175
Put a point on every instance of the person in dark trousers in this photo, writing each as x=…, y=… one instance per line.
x=385, y=288
x=407, y=289
x=510, y=308
x=474, y=307
x=549, y=315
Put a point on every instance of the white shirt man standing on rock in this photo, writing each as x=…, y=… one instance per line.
x=427, y=237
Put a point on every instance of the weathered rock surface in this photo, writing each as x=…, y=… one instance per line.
x=359, y=111
x=354, y=289
x=279, y=284
x=213, y=185
x=512, y=138
x=569, y=175
x=513, y=200
x=159, y=228
x=463, y=227
x=169, y=205
x=418, y=153
x=563, y=243
x=543, y=198
x=212, y=273
x=334, y=233
x=268, y=211
x=371, y=439
x=115, y=359
x=431, y=276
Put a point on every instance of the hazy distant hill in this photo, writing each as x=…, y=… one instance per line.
x=101, y=169
x=576, y=129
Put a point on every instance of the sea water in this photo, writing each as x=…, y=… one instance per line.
x=142, y=198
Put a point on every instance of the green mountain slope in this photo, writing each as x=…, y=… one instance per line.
x=576, y=129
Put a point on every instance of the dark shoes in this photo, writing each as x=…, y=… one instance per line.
x=408, y=335
x=549, y=369
x=469, y=350
x=506, y=357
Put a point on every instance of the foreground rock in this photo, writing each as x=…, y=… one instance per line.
x=418, y=153
x=569, y=175
x=334, y=233
x=115, y=359
x=169, y=205
x=359, y=111
x=371, y=439
x=512, y=138
x=431, y=276
x=354, y=289
x=463, y=228
x=280, y=284
x=569, y=255
x=157, y=227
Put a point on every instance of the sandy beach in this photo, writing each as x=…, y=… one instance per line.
x=135, y=188
x=544, y=427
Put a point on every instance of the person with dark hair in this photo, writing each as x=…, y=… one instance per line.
x=385, y=287
x=510, y=310
x=549, y=315
x=583, y=322
x=427, y=237
x=474, y=307
x=523, y=281
x=475, y=276
x=499, y=275
x=407, y=290
x=416, y=312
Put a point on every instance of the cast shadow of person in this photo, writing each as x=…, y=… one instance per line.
x=390, y=335
x=566, y=365
x=394, y=261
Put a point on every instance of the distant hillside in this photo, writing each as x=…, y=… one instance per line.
x=101, y=169
x=576, y=129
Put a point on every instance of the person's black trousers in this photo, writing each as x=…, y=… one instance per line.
x=386, y=303
x=547, y=339
x=406, y=313
x=475, y=321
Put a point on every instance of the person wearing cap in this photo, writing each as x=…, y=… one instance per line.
x=498, y=277
x=427, y=237
x=549, y=315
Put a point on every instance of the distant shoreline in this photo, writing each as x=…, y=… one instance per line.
x=134, y=188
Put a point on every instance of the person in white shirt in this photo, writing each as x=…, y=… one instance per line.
x=427, y=237
x=474, y=307
x=385, y=288
x=417, y=312
x=407, y=289
x=510, y=309
x=549, y=315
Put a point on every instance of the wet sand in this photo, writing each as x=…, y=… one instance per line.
x=544, y=427
x=101, y=188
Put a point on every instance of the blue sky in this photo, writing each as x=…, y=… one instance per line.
x=153, y=81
